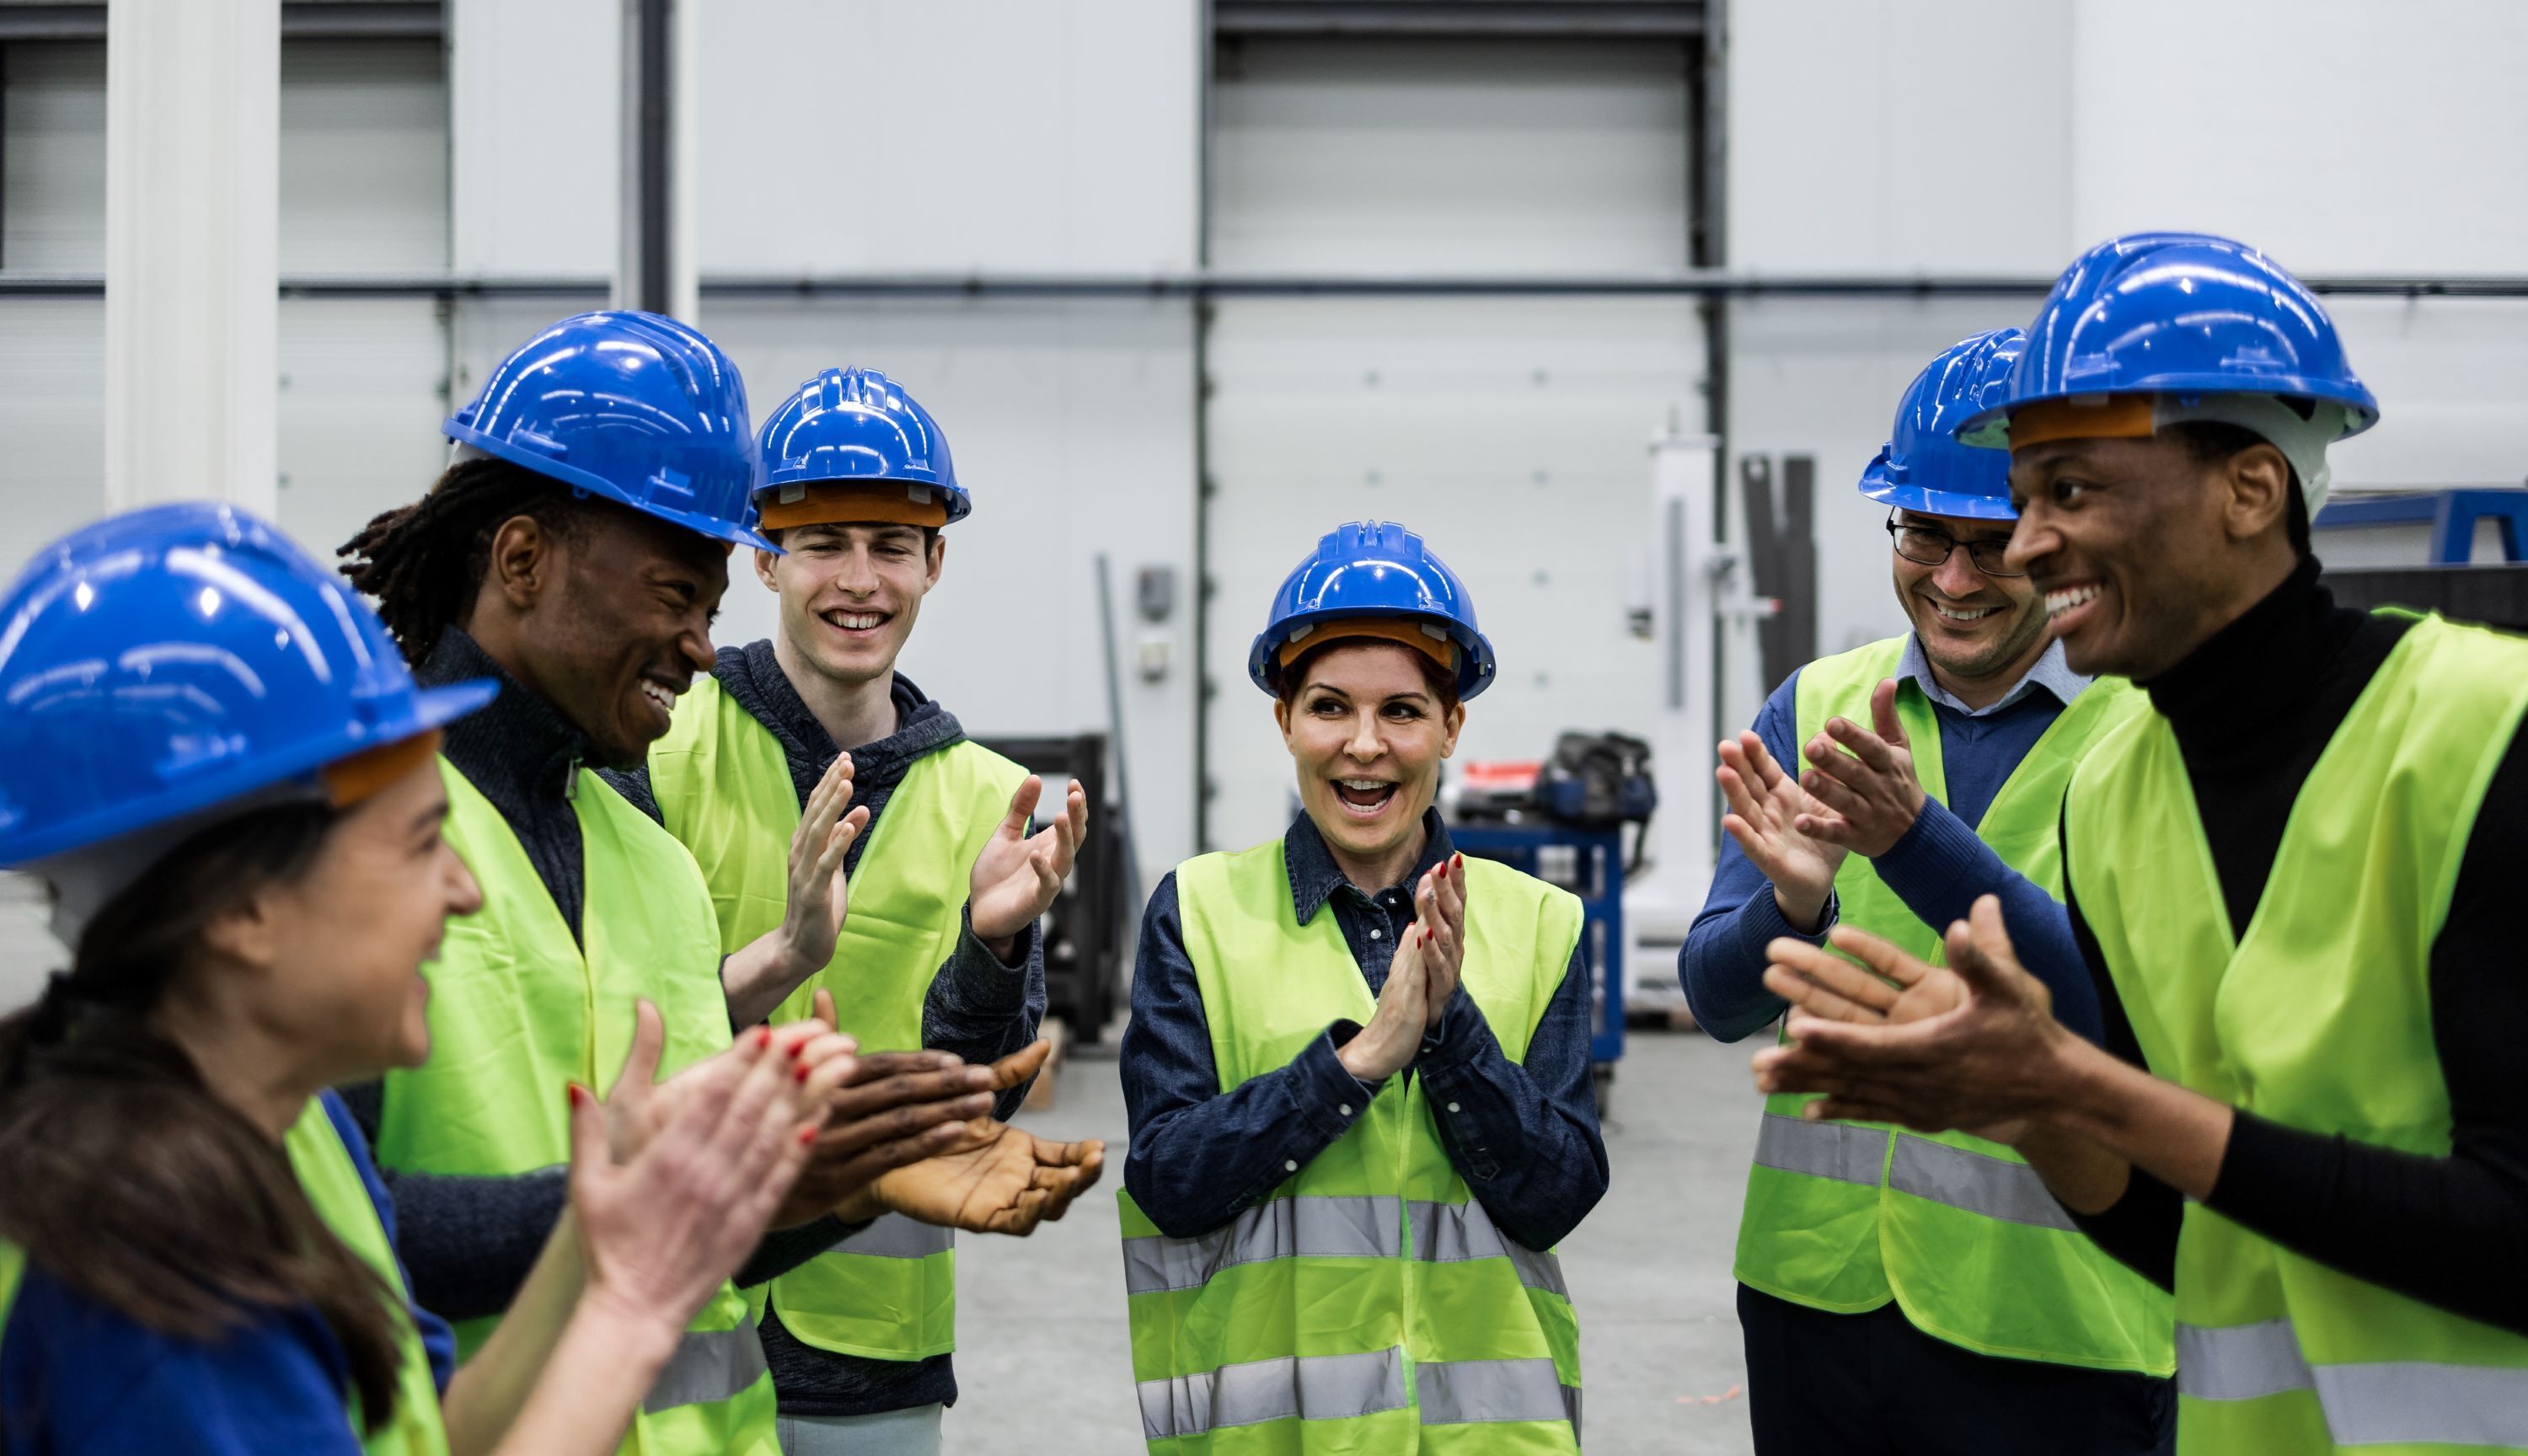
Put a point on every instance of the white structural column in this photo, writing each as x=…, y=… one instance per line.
x=192, y=217
x=661, y=89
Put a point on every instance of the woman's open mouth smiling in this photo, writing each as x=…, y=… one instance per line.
x=1363, y=799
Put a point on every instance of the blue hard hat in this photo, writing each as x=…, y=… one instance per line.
x=2178, y=314
x=635, y=408
x=161, y=662
x=1373, y=569
x=857, y=425
x=1922, y=467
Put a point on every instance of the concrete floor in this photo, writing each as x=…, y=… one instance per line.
x=1040, y=1330
x=1044, y=1357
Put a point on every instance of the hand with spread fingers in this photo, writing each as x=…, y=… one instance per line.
x=1895, y=990
x=1867, y=786
x=893, y=1109
x=819, y=899
x=668, y=1195
x=638, y=1107
x=763, y=974
x=1017, y=877
x=1974, y=1045
x=984, y=1175
x=1001, y=1179
x=1767, y=812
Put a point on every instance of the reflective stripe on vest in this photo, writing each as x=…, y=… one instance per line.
x=2379, y=1403
x=2316, y=1016
x=1454, y=1232
x=1309, y=1227
x=709, y=1364
x=1332, y=1228
x=332, y=1183
x=723, y=789
x=1334, y=1387
x=1958, y=1177
x=895, y=1236
x=519, y=1009
x=1846, y=1215
x=1310, y=1388
x=1294, y=1312
x=1462, y=1392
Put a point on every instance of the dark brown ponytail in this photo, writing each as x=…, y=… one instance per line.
x=122, y=1177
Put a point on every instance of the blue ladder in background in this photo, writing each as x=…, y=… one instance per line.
x=2453, y=514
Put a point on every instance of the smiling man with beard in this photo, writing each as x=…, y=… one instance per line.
x=1903, y=1293
x=2294, y=883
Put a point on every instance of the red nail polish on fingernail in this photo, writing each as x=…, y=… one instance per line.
x=578, y=1094
x=797, y=1050
x=763, y=1037
x=806, y=1134
x=799, y=1075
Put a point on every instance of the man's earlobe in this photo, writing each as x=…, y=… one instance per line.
x=521, y=557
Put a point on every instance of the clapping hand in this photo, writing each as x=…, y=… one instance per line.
x=1933, y=1048
x=1869, y=789
x=819, y=898
x=672, y=1191
x=1017, y=877
x=1770, y=817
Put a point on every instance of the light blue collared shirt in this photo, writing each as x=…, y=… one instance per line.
x=2052, y=672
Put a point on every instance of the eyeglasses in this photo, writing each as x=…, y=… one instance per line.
x=1929, y=548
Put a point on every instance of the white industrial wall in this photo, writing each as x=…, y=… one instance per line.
x=1986, y=135
x=996, y=136
x=1510, y=432
x=1010, y=136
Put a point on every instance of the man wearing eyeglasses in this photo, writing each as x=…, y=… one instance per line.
x=1904, y=1293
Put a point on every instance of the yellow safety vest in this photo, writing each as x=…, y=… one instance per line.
x=1369, y=1304
x=2318, y=1016
x=1958, y=1231
x=723, y=785
x=518, y=1011
x=332, y=1183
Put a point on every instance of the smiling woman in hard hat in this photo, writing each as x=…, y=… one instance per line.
x=1358, y=1070
x=215, y=759
x=2294, y=883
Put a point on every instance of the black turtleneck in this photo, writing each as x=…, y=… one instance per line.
x=2252, y=708
x=524, y=755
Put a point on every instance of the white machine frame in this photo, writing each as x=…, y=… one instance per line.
x=1707, y=683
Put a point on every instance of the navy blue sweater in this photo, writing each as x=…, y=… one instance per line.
x=1938, y=868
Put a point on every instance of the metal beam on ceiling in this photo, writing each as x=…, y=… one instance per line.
x=1523, y=19
x=1697, y=282
x=309, y=20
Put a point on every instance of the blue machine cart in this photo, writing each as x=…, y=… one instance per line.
x=1590, y=863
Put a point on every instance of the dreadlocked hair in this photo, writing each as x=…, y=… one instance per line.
x=424, y=562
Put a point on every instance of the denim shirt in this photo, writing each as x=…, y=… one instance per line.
x=1523, y=1135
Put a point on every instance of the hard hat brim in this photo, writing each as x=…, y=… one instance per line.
x=591, y=484
x=430, y=708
